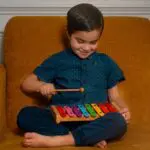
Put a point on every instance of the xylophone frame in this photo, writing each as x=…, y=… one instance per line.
x=59, y=119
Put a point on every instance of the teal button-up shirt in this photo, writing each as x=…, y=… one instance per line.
x=96, y=74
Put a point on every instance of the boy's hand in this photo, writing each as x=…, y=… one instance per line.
x=126, y=114
x=47, y=89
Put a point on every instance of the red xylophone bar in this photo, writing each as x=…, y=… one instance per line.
x=111, y=107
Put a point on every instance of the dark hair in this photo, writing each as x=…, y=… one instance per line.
x=84, y=17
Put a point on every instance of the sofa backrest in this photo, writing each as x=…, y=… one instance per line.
x=29, y=40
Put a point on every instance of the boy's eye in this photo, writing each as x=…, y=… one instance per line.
x=80, y=41
x=93, y=42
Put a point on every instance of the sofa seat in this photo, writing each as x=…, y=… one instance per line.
x=137, y=138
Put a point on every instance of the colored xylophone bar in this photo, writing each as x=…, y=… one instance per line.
x=80, y=112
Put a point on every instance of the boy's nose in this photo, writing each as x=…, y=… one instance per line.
x=86, y=47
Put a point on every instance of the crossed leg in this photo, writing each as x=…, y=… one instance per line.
x=42, y=131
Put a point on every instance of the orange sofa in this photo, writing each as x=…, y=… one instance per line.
x=29, y=40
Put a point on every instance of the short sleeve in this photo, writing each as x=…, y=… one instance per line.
x=115, y=74
x=46, y=70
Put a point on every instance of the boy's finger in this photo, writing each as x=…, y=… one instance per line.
x=49, y=96
x=54, y=91
x=124, y=111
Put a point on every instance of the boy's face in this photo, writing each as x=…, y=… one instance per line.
x=84, y=43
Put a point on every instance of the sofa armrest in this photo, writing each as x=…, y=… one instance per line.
x=2, y=100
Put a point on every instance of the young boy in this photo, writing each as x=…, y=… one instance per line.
x=75, y=67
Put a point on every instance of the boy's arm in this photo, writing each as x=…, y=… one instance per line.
x=115, y=97
x=31, y=84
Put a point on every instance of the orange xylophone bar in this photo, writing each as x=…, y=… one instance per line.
x=86, y=112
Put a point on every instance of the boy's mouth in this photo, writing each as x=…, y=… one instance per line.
x=84, y=52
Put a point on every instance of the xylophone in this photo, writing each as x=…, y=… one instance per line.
x=82, y=112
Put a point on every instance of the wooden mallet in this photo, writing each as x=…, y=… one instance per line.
x=68, y=90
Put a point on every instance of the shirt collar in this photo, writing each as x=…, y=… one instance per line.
x=92, y=56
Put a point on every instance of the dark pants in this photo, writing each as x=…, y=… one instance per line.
x=108, y=127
